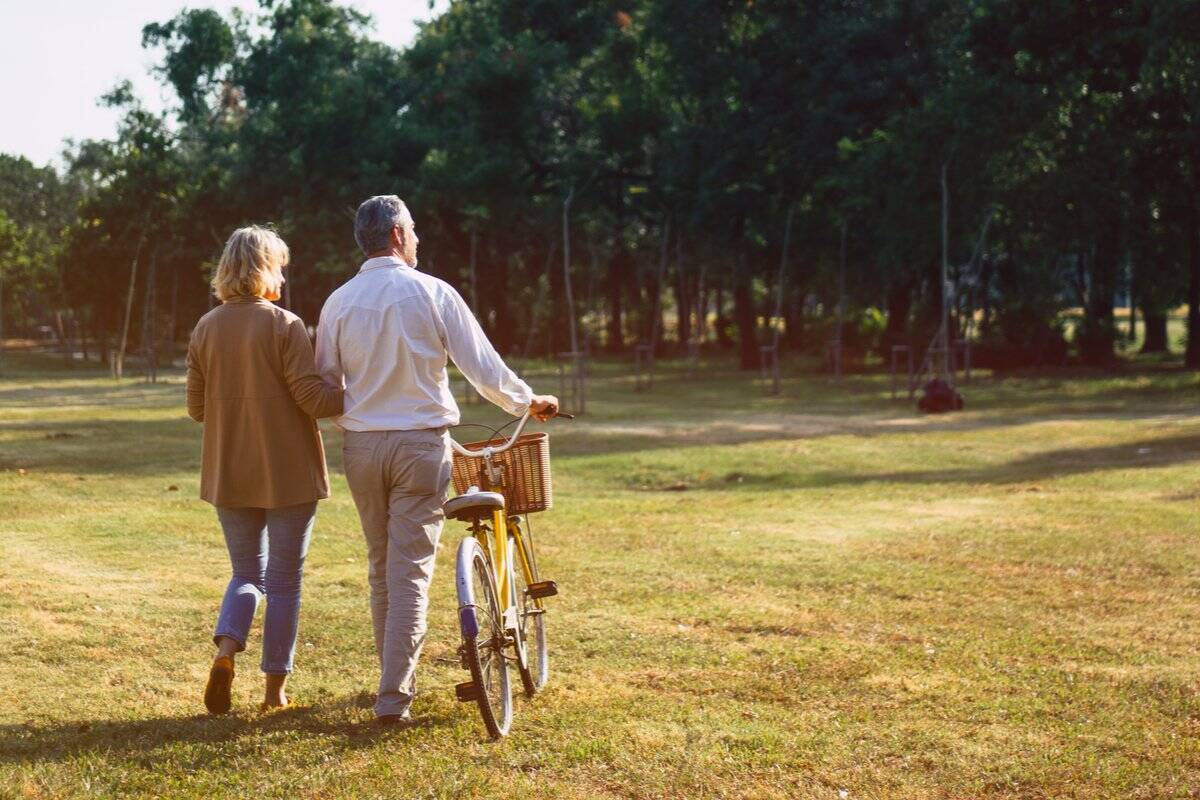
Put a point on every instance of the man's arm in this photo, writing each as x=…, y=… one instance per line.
x=475, y=357
x=328, y=357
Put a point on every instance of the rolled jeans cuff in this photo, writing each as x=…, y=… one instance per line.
x=228, y=634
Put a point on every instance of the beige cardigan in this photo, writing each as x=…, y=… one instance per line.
x=252, y=381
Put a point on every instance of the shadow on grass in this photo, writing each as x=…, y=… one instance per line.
x=1049, y=465
x=138, y=740
x=1146, y=454
x=101, y=446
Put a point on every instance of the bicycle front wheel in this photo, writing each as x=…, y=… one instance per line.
x=482, y=626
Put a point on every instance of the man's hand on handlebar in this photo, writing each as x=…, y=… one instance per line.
x=543, y=407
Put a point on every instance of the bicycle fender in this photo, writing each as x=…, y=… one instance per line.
x=466, y=599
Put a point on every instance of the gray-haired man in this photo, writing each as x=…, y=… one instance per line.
x=385, y=336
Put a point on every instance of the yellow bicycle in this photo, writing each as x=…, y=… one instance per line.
x=501, y=612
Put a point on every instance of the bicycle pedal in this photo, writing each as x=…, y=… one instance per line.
x=542, y=589
x=466, y=692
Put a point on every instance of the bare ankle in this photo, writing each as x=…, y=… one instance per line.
x=274, y=694
x=226, y=648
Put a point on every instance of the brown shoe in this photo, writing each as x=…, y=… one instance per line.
x=220, y=683
x=389, y=720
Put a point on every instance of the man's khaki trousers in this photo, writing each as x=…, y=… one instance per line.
x=399, y=480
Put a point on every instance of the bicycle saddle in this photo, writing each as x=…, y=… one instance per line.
x=473, y=505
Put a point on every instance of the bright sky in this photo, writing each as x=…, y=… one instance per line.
x=58, y=56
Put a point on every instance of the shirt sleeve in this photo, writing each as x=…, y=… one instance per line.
x=195, y=381
x=329, y=360
x=316, y=397
x=475, y=357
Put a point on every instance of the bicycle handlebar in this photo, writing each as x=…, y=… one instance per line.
x=516, y=434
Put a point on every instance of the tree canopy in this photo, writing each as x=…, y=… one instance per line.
x=685, y=135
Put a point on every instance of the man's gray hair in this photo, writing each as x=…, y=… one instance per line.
x=375, y=219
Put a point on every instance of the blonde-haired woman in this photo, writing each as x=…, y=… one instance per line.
x=251, y=380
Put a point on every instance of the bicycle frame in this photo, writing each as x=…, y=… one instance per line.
x=495, y=545
x=502, y=526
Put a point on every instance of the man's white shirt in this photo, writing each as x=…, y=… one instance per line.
x=385, y=336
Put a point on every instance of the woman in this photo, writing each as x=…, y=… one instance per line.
x=251, y=380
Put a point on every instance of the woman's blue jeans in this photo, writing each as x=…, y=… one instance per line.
x=267, y=547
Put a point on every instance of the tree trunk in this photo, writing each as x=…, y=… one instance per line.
x=699, y=295
x=720, y=321
x=744, y=317
x=64, y=339
x=1155, y=321
x=572, y=331
x=103, y=343
x=119, y=363
x=149, y=345
x=793, y=319
x=985, y=297
x=683, y=309
x=1191, y=357
x=170, y=353
x=505, y=340
x=1099, y=332
x=473, y=275
x=590, y=303
x=899, y=304
x=556, y=338
x=618, y=275
x=83, y=337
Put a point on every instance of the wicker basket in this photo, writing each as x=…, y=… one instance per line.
x=525, y=468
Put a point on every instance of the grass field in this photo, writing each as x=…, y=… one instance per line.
x=816, y=595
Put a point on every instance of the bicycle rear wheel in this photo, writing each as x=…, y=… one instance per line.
x=482, y=626
x=536, y=667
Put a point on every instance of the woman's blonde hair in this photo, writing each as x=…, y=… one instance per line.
x=252, y=265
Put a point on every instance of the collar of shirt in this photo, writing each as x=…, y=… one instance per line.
x=382, y=262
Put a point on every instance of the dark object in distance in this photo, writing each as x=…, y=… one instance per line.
x=937, y=397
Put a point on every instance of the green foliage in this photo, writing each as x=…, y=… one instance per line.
x=37, y=206
x=690, y=130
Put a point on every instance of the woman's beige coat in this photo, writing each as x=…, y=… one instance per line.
x=252, y=381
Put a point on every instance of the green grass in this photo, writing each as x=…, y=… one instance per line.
x=770, y=597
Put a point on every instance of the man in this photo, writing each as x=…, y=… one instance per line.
x=385, y=336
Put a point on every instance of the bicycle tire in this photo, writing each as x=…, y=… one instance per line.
x=481, y=625
x=535, y=668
